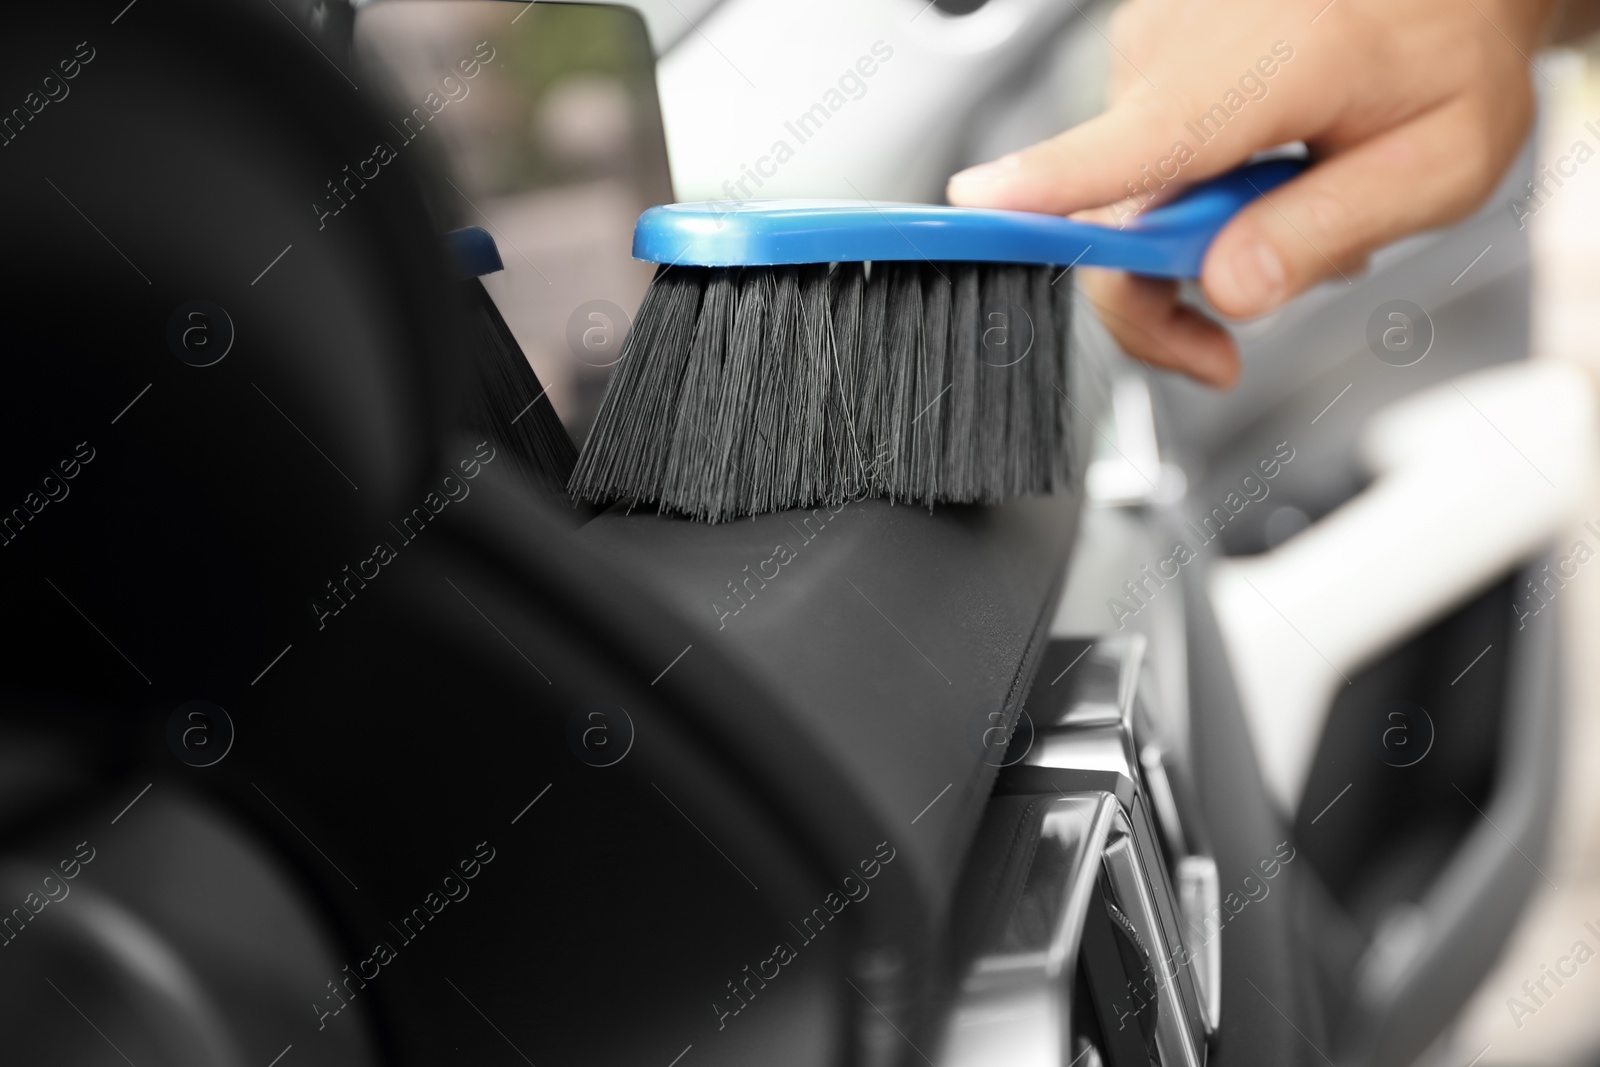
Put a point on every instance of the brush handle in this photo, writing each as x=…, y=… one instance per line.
x=1169, y=241
x=472, y=252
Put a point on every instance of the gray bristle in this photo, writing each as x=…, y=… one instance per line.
x=928, y=420
x=743, y=391
x=844, y=464
x=1061, y=290
x=814, y=381
x=961, y=405
x=1043, y=379
x=692, y=457
x=510, y=406
x=994, y=477
x=903, y=349
x=872, y=378
x=738, y=447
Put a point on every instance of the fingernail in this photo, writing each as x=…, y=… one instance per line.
x=982, y=180
x=1252, y=280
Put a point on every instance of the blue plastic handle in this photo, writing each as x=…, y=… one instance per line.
x=472, y=252
x=1169, y=241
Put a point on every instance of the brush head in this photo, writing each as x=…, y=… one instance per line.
x=928, y=365
x=749, y=390
x=509, y=404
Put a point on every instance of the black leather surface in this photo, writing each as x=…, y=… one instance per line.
x=887, y=638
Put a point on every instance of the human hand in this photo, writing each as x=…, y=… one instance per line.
x=1411, y=109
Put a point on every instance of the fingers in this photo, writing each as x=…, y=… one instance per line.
x=1324, y=224
x=1144, y=315
x=1134, y=148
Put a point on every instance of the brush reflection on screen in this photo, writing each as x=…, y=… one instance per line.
x=544, y=121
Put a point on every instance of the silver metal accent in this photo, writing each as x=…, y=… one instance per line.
x=1117, y=821
x=1015, y=1004
x=1178, y=1042
x=1199, y=898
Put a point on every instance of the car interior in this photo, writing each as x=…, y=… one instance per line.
x=365, y=746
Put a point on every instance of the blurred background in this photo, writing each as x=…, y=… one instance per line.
x=1565, y=239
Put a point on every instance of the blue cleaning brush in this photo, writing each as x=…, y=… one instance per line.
x=770, y=367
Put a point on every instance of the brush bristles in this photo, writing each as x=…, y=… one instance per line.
x=509, y=405
x=748, y=390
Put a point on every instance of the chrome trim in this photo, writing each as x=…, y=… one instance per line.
x=1016, y=1000
x=1177, y=1042
x=1015, y=1004
x=1199, y=898
x=1098, y=743
x=1153, y=761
